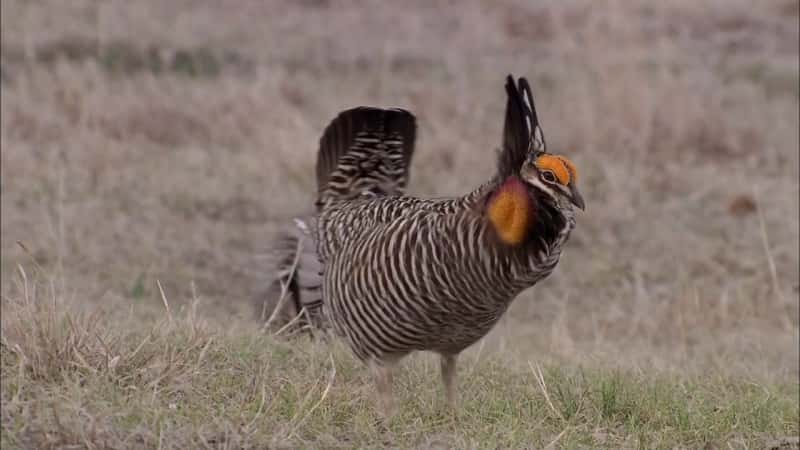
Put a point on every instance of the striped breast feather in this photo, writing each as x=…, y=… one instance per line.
x=365, y=152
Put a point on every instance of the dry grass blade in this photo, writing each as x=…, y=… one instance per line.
x=302, y=315
x=537, y=373
x=297, y=423
x=203, y=351
x=552, y=444
x=260, y=409
x=285, y=286
x=773, y=271
x=164, y=301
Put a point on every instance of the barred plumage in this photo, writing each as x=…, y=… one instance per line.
x=364, y=152
x=401, y=274
x=404, y=274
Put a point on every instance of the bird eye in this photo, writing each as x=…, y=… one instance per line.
x=548, y=176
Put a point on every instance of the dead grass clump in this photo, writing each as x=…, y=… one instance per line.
x=54, y=344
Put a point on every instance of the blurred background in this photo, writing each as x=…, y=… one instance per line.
x=168, y=141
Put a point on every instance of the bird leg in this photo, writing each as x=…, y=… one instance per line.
x=448, y=363
x=383, y=374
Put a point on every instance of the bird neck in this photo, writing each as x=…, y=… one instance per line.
x=520, y=215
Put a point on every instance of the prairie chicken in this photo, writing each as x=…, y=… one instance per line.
x=400, y=274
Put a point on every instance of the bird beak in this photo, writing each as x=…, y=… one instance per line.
x=576, y=197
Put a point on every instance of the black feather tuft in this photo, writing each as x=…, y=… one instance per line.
x=522, y=134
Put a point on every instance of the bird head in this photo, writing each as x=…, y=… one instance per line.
x=555, y=177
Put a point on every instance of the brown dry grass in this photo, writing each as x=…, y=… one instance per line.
x=156, y=140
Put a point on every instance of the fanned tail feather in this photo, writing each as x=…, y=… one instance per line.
x=365, y=151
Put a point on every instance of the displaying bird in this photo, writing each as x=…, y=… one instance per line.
x=399, y=274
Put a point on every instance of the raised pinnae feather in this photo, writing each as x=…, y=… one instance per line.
x=537, y=143
x=522, y=134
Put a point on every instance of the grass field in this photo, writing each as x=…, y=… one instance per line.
x=151, y=149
